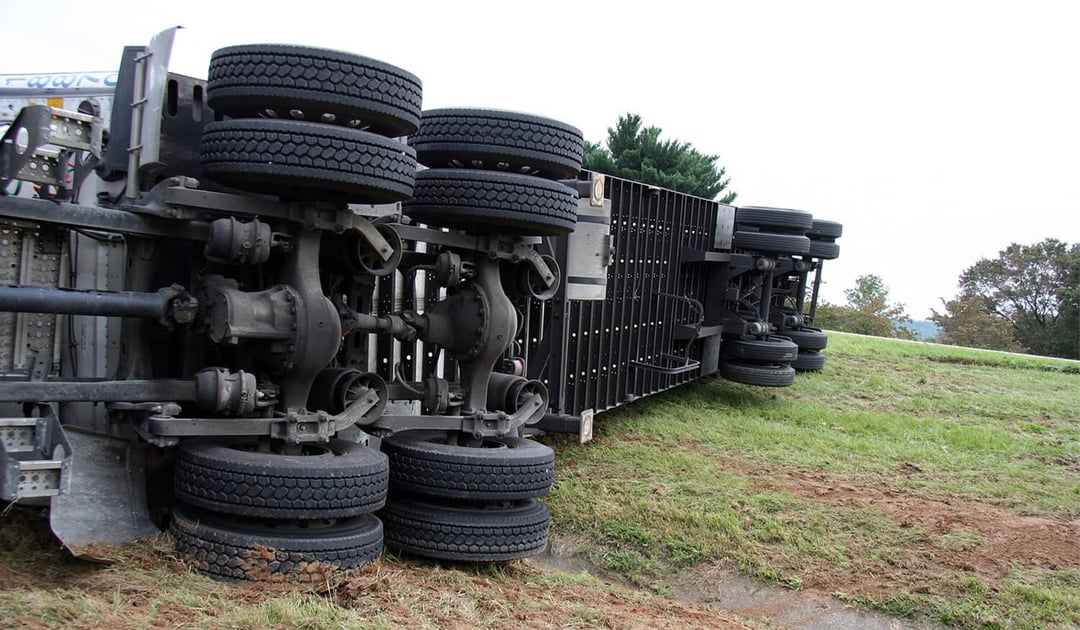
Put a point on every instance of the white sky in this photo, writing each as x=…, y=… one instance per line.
x=937, y=132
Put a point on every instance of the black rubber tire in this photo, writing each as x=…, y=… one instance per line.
x=809, y=361
x=823, y=230
x=491, y=202
x=498, y=140
x=470, y=533
x=806, y=338
x=760, y=216
x=308, y=161
x=314, y=84
x=233, y=548
x=771, y=243
x=824, y=250
x=228, y=476
x=768, y=350
x=761, y=375
x=503, y=469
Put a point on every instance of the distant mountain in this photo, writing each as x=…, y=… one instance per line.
x=924, y=330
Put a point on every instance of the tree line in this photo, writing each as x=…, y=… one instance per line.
x=1027, y=299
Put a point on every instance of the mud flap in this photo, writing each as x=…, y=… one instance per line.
x=105, y=503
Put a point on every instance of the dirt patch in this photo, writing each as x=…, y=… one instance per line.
x=774, y=606
x=268, y=565
x=720, y=587
x=1064, y=369
x=951, y=536
x=518, y=595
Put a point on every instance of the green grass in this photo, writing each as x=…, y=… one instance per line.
x=1026, y=599
x=698, y=475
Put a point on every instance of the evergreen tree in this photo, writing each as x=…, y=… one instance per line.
x=639, y=154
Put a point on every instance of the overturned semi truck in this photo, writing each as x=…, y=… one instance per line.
x=290, y=316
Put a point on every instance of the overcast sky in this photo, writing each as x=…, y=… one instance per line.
x=936, y=132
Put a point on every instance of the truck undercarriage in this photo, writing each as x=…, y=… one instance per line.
x=290, y=316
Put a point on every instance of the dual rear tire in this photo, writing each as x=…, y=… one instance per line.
x=308, y=124
x=492, y=172
x=467, y=503
x=765, y=362
x=248, y=513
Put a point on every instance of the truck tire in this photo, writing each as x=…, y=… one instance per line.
x=502, y=469
x=768, y=350
x=492, y=202
x=313, y=84
x=761, y=375
x=760, y=216
x=806, y=338
x=823, y=250
x=233, y=548
x=307, y=161
x=335, y=480
x=771, y=243
x=470, y=533
x=809, y=361
x=498, y=140
x=822, y=230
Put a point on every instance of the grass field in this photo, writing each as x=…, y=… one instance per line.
x=925, y=481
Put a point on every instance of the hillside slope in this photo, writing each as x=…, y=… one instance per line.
x=928, y=481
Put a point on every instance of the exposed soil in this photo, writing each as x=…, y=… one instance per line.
x=720, y=587
x=962, y=536
x=1066, y=369
x=525, y=600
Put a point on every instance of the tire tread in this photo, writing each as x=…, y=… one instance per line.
x=524, y=471
x=492, y=201
x=494, y=139
x=207, y=544
x=245, y=80
x=434, y=530
x=224, y=480
x=292, y=157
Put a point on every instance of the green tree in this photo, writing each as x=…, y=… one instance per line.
x=1065, y=336
x=1036, y=290
x=639, y=154
x=971, y=323
x=867, y=312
